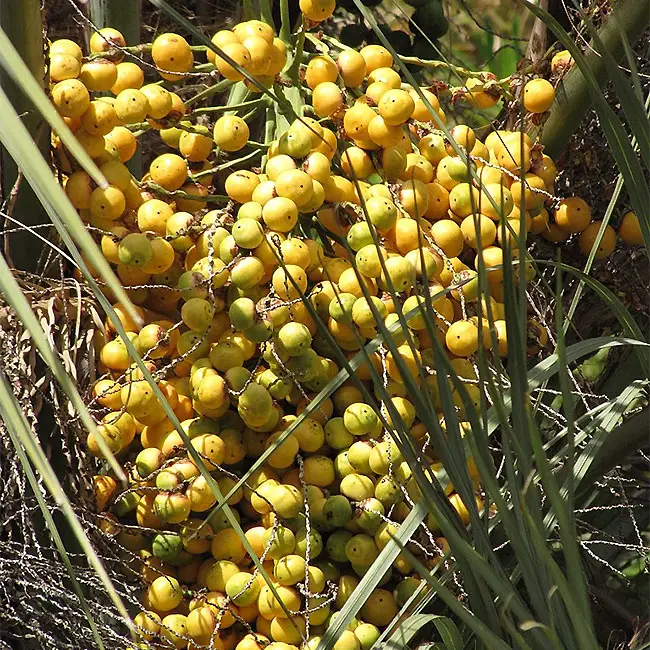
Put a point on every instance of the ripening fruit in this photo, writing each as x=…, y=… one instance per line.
x=529, y=193
x=106, y=39
x=383, y=134
x=148, y=624
x=360, y=419
x=317, y=10
x=357, y=119
x=630, y=230
x=231, y=133
x=66, y=46
x=195, y=147
x=99, y=118
x=108, y=203
x=356, y=163
x=93, y=144
x=134, y=250
x=64, y=66
x=414, y=197
x=588, y=238
x=71, y=98
x=497, y=194
x=513, y=154
x=79, y=189
x=296, y=185
x=160, y=100
x=463, y=200
x=240, y=185
x=254, y=28
x=290, y=570
x=479, y=98
x=396, y=106
x=242, y=588
x=573, y=215
x=320, y=69
x=169, y=171
x=295, y=143
x=110, y=435
x=235, y=51
x=260, y=51
x=478, y=229
x=538, y=96
x=380, y=608
x=278, y=57
x=352, y=68
x=171, y=52
x=197, y=314
x=129, y=75
x=173, y=630
x=417, y=167
x=98, y=75
x=361, y=550
x=131, y=106
x=171, y=507
x=376, y=56
x=561, y=61
x=462, y=338
x=126, y=144
x=337, y=512
x=164, y=593
x=387, y=76
x=326, y=99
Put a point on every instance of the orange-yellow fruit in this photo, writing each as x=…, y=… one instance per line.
x=538, y=96
x=352, y=67
x=630, y=230
x=588, y=237
x=573, y=215
x=317, y=10
x=376, y=56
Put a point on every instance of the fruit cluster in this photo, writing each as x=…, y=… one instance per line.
x=364, y=210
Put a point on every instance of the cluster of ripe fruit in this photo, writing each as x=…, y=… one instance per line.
x=366, y=213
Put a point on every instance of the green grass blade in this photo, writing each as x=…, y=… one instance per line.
x=611, y=300
x=413, y=625
x=14, y=66
x=463, y=614
x=603, y=427
x=592, y=253
x=372, y=578
x=285, y=20
x=15, y=420
x=603, y=417
x=544, y=370
x=624, y=440
x=266, y=13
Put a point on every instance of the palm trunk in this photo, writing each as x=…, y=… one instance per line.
x=629, y=17
x=22, y=22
